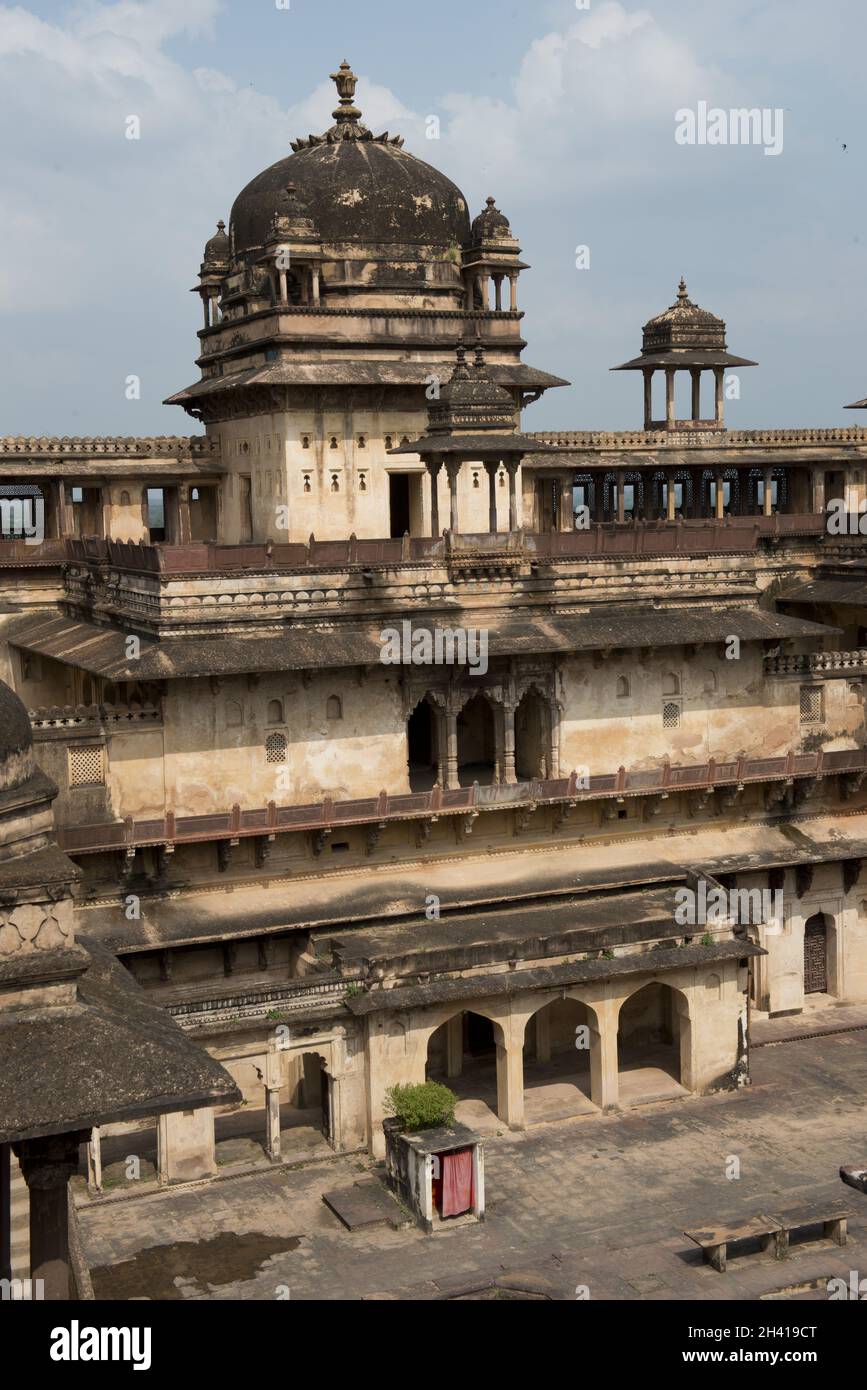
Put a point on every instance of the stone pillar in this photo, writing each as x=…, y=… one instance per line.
x=513, y=293
x=543, y=1035
x=185, y=1145
x=453, y=468
x=719, y=509
x=647, y=373
x=767, y=506
x=819, y=492
x=47, y=1165
x=206, y=310
x=455, y=1045
x=604, y=1081
x=567, y=504
x=671, y=496
x=695, y=373
x=718, y=377
x=511, y=466
x=272, y=1123
x=451, y=748
x=498, y=292
x=621, y=496
x=478, y=1182
x=433, y=468
x=491, y=470
x=510, y=1079
x=482, y=282
x=284, y=294
x=184, y=524
x=94, y=1161
x=509, y=775
x=314, y=282
x=669, y=396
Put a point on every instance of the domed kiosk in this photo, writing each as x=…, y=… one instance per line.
x=350, y=271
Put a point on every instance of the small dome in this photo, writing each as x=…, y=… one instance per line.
x=684, y=324
x=490, y=223
x=16, y=740
x=471, y=399
x=217, y=250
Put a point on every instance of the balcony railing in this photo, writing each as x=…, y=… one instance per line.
x=329, y=815
x=693, y=536
x=817, y=663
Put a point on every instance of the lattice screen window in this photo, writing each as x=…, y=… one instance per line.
x=671, y=715
x=86, y=766
x=811, y=704
x=275, y=748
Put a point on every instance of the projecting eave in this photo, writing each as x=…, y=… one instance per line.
x=857, y=405
x=112, y=1056
x=683, y=357
x=102, y=650
x=481, y=443
x=343, y=373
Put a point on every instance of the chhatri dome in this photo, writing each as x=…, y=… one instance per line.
x=356, y=186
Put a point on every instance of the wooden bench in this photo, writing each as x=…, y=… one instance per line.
x=832, y=1218
x=715, y=1240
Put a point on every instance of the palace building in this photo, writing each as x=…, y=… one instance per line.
x=332, y=873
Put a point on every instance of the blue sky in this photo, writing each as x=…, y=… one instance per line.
x=566, y=115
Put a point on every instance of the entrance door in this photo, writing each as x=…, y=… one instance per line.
x=816, y=955
x=398, y=501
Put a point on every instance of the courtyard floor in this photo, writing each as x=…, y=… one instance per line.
x=595, y=1201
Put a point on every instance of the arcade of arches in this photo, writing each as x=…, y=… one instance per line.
x=482, y=737
x=585, y=1049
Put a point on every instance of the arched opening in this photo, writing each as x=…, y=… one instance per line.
x=531, y=737
x=557, y=1049
x=422, y=747
x=305, y=1109
x=275, y=711
x=652, y=1045
x=816, y=954
x=462, y=1053
x=476, y=743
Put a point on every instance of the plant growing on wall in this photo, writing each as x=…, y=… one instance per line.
x=423, y=1106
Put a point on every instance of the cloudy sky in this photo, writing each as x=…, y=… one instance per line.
x=565, y=114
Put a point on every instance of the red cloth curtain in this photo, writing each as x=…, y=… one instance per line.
x=457, y=1170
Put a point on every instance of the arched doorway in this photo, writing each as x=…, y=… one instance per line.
x=531, y=737
x=476, y=743
x=462, y=1053
x=422, y=747
x=557, y=1045
x=816, y=954
x=652, y=1045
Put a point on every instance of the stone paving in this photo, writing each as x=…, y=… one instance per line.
x=594, y=1201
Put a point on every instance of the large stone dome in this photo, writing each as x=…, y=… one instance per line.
x=356, y=187
x=16, y=741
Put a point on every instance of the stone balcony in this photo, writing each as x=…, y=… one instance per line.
x=818, y=665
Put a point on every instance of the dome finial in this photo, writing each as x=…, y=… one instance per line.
x=681, y=290
x=346, y=81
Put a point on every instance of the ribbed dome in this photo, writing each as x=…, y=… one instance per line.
x=16, y=740
x=356, y=191
x=356, y=187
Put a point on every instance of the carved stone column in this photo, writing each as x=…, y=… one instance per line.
x=47, y=1165
x=509, y=775
x=433, y=467
x=491, y=468
x=511, y=467
x=718, y=377
x=453, y=468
